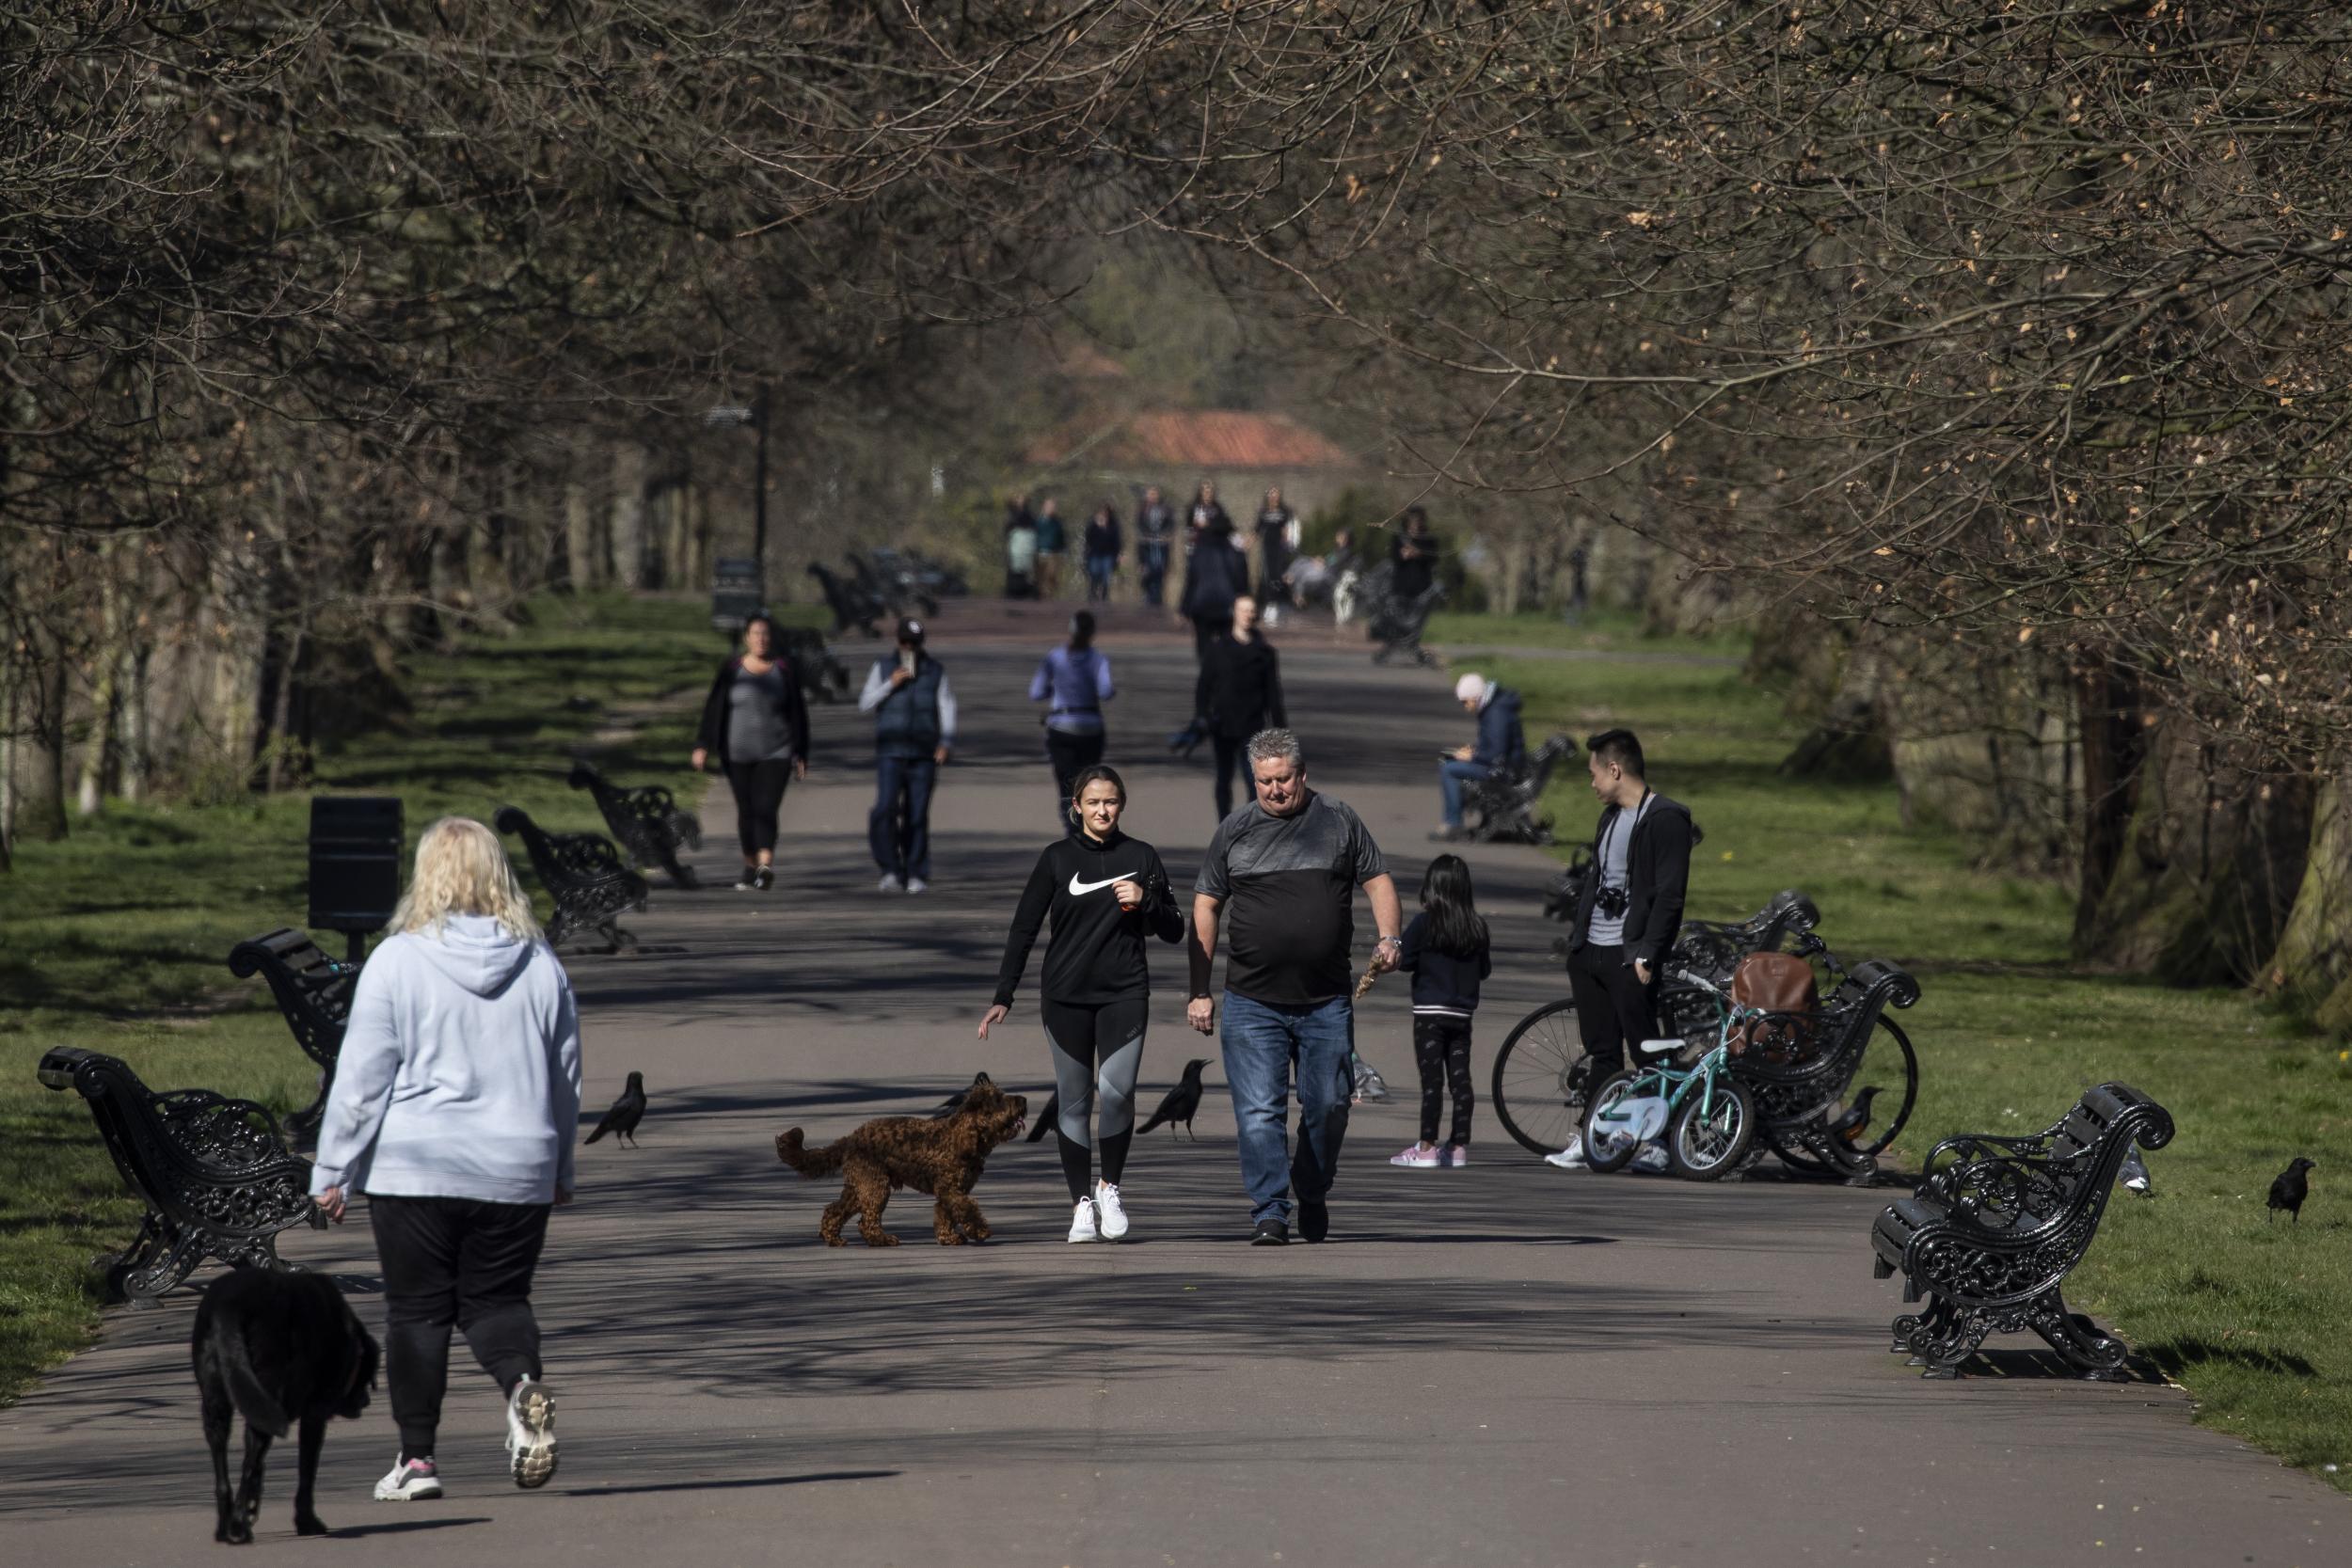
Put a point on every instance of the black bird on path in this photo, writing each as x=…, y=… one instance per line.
x=1046, y=1117
x=954, y=1103
x=1856, y=1121
x=2289, y=1188
x=1182, y=1102
x=626, y=1112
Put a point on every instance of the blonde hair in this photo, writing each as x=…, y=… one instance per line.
x=463, y=869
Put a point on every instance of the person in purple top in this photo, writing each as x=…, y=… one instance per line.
x=1074, y=681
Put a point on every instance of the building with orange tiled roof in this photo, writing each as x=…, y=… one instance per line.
x=1115, y=455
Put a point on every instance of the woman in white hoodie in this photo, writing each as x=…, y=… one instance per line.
x=455, y=1099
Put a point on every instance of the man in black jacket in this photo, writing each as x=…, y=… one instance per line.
x=1239, y=693
x=1630, y=912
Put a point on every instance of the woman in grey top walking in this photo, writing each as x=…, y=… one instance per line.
x=756, y=722
x=455, y=1102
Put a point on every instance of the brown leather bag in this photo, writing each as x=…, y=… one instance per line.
x=1780, y=983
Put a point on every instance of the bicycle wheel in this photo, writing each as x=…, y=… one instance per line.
x=1619, y=1150
x=1705, y=1143
x=1539, y=1089
x=1885, y=1087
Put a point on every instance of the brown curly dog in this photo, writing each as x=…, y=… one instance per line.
x=943, y=1158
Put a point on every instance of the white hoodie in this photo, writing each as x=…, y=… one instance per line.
x=459, y=1075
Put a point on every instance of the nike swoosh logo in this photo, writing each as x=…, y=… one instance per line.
x=1079, y=888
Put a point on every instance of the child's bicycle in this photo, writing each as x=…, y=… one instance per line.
x=1710, y=1116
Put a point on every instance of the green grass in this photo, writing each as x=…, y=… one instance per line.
x=116, y=939
x=2246, y=1314
x=1600, y=631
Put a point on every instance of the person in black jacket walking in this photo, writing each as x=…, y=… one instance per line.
x=756, y=722
x=1215, y=574
x=1630, y=910
x=1239, y=693
x=1105, y=891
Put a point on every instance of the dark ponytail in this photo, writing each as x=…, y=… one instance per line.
x=1456, y=927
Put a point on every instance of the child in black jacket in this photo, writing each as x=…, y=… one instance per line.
x=1447, y=953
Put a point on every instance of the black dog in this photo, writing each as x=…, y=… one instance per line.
x=276, y=1348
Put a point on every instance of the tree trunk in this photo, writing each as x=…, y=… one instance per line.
x=2113, y=746
x=41, y=812
x=2312, y=969
x=628, y=515
x=105, y=697
x=580, y=536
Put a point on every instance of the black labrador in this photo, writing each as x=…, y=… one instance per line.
x=275, y=1349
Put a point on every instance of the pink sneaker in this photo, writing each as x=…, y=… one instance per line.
x=1415, y=1155
x=1454, y=1156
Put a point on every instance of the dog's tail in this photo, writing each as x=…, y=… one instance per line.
x=253, y=1401
x=809, y=1162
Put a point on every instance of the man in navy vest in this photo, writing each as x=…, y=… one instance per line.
x=914, y=729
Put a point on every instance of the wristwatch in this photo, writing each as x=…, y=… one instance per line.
x=1385, y=941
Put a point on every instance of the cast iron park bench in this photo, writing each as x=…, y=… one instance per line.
x=1505, y=800
x=821, y=676
x=851, y=604
x=583, y=874
x=1995, y=1226
x=647, y=820
x=214, y=1173
x=314, y=991
x=1802, y=1067
x=1714, y=948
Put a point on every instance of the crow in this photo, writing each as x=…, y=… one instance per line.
x=1183, y=1102
x=626, y=1112
x=1856, y=1121
x=954, y=1103
x=2289, y=1188
x=1047, y=1117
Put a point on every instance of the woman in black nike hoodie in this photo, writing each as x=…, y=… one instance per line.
x=1105, y=891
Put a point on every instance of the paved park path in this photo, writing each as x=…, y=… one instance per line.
x=1506, y=1364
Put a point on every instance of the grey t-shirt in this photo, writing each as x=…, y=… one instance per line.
x=1288, y=889
x=1608, y=930
x=757, y=731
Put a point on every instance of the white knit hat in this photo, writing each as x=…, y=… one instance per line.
x=1470, y=689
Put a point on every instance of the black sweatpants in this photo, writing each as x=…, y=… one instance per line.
x=453, y=1263
x=1070, y=753
x=758, y=800
x=1613, y=1009
x=1232, y=757
x=1441, y=1050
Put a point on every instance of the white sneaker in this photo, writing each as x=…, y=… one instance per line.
x=1082, y=1223
x=890, y=882
x=1650, y=1159
x=1108, y=1212
x=916, y=884
x=411, y=1481
x=531, y=1433
x=1570, y=1157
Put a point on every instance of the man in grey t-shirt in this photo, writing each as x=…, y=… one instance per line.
x=1281, y=875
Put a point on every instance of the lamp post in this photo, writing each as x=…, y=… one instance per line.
x=756, y=416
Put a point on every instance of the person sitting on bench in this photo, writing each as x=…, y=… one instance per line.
x=1501, y=745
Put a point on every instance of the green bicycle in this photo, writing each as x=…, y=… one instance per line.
x=1709, y=1118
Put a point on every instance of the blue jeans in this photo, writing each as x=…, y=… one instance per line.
x=1261, y=1042
x=1099, y=570
x=1452, y=775
x=900, y=830
x=1151, y=566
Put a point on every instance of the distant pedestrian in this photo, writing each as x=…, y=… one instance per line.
x=1206, y=513
x=1105, y=892
x=1238, y=693
x=1103, y=547
x=1281, y=874
x=1415, y=551
x=1075, y=680
x=1501, y=747
x=1447, y=952
x=1215, y=574
x=1155, y=539
x=756, y=722
x=1278, y=545
x=1053, y=543
x=1020, y=549
x=915, y=732
x=1347, y=566
x=455, y=1108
